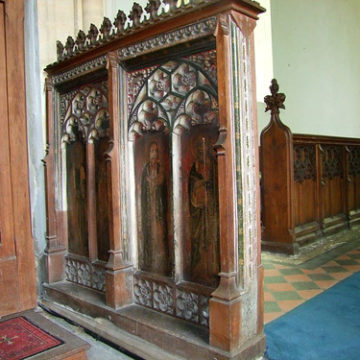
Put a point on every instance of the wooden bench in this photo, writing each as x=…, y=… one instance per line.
x=310, y=184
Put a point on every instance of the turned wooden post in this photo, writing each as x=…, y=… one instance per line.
x=55, y=249
x=118, y=292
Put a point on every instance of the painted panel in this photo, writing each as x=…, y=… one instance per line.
x=77, y=198
x=200, y=211
x=152, y=170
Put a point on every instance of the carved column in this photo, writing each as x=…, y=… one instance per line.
x=55, y=249
x=118, y=288
x=236, y=306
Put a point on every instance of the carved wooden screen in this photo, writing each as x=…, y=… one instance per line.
x=84, y=138
x=173, y=127
x=174, y=201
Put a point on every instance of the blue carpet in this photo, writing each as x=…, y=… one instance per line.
x=327, y=327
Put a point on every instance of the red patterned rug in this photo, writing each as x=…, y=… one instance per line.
x=19, y=338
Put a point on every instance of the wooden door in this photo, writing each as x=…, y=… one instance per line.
x=17, y=268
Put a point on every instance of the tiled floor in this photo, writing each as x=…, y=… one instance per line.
x=288, y=286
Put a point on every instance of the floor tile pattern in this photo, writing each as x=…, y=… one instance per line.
x=287, y=286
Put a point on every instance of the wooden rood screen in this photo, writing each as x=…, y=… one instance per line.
x=152, y=192
x=310, y=184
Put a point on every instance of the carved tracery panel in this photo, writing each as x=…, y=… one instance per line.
x=354, y=160
x=304, y=162
x=332, y=161
x=87, y=109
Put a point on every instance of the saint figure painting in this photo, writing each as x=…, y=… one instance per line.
x=155, y=254
x=203, y=206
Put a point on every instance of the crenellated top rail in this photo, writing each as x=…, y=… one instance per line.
x=159, y=16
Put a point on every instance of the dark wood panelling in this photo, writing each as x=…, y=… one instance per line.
x=305, y=201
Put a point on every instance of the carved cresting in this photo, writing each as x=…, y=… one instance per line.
x=157, y=11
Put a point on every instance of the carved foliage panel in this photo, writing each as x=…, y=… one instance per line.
x=304, y=162
x=167, y=298
x=84, y=273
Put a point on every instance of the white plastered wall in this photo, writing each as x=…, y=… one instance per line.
x=316, y=57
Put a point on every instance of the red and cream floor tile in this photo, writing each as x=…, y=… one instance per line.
x=288, y=286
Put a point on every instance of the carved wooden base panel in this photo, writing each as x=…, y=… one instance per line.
x=172, y=299
x=149, y=334
x=83, y=272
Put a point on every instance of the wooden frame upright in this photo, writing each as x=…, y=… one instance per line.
x=17, y=265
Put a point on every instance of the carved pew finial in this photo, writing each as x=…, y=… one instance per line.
x=275, y=101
